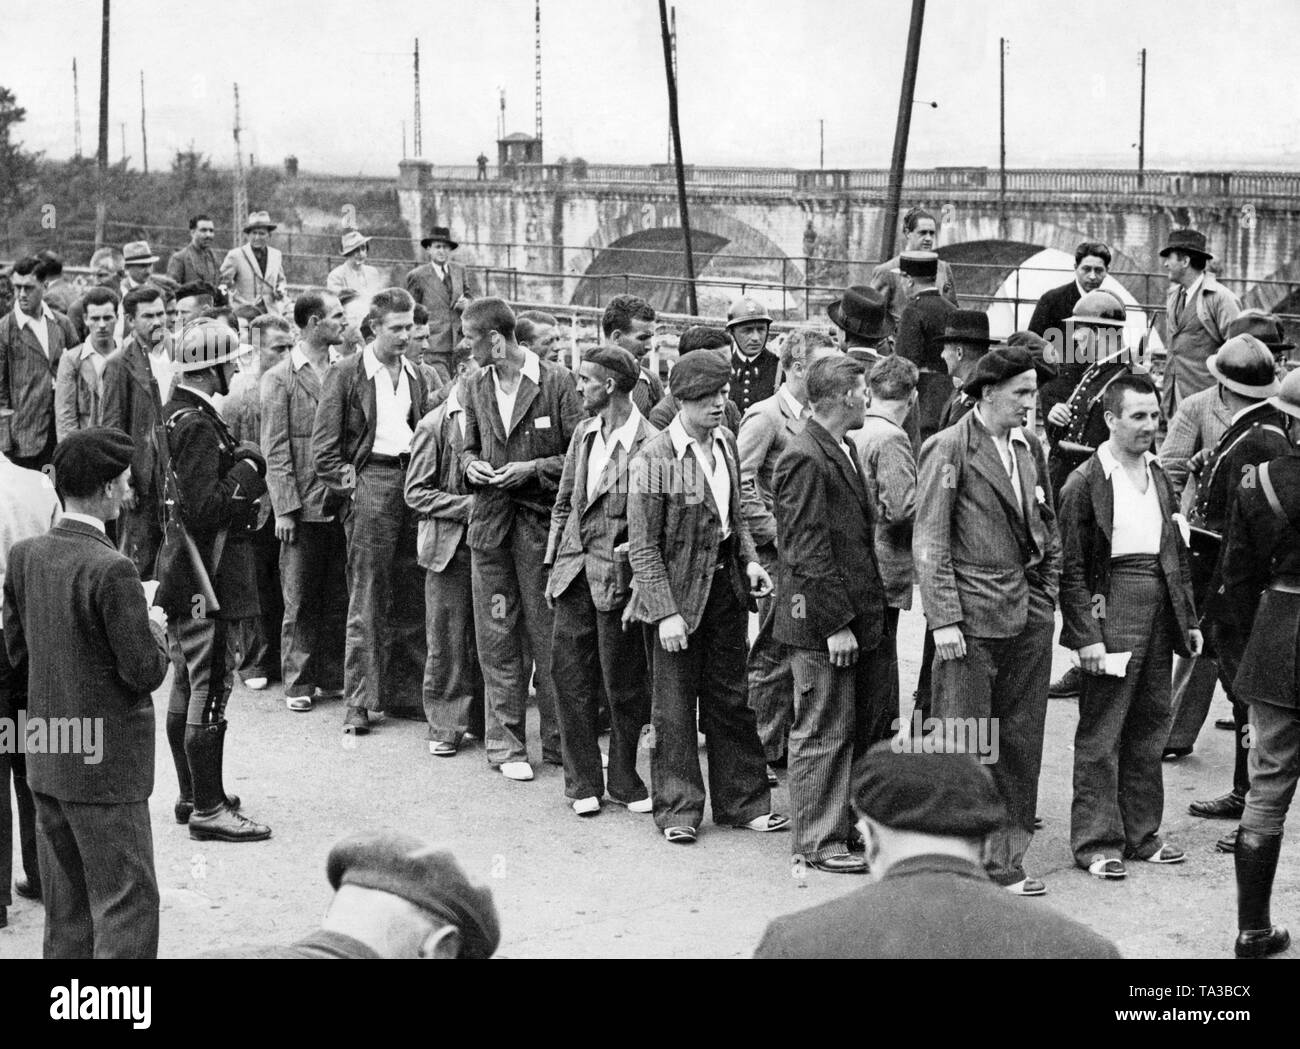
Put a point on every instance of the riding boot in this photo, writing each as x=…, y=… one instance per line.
x=176, y=741
x=213, y=818
x=232, y=800
x=1256, y=863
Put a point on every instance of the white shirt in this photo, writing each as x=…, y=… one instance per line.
x=94, y=522
x=393, y=432
x=298, y=357
x=602, y=451
x=456, y=410
x=40, y=326
x=97, y=359
x=1009, y=459
x=1137, y=521
x=719, y=480
x=160, y=364
x=791, y=402
x=531, y=369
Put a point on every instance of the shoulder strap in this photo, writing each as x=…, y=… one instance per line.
x=1275, y=504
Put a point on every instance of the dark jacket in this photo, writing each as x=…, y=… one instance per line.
x=674, y=533
x=289, y=399
x=955, y=410
x=217, y=492
x=546, y=414
x=435, y=486
x=27, y=376
x=753, y=380
x=1051, y=314
x=920, y=330
x=931, y=907
x=827, y=577
x=132, y=403
x=74, y=608
x=433, y=294
x=1259, y=550
x=1087, y=522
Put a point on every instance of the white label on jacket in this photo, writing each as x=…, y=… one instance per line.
x=542, y=422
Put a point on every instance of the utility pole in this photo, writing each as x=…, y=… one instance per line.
x=901, y=129
x=675, y=127
x=403, y=139
x=537, y=86
x=122, y=125
x=101, y=158
x=76, y=113
x=1142, y=120
x=418, y=130
x=502, y=119
x=240, y=214
x=672, y=33
x=1002, y=135
x=821, y=147
x=144, y=134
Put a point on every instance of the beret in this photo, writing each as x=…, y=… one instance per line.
x=616, y=361
x=425, y=875
x=919, y=263
x=945, y=793
x=697, y=375
x=85, y=459
x=1006, y=362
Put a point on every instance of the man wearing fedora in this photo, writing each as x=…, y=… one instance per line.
x=1259, y=431
x=196, y=263
x=354, y=274
x=253, y=273
x=988, y=555
x=444, y=288
x=965, y=341
x=920, y=340
x=862, y=314
x=1198, y=310
x=1261, y=584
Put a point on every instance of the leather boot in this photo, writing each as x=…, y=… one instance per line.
x=232, y=800
x=1256, y=863
x=213, y=819
x=176, y=741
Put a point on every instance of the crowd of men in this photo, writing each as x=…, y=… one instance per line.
x=424, y=510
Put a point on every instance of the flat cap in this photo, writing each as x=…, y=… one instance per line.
x=85, y=459
x=919, y=263
x=427, y=876
x=617, y=361
x=936, y=793
x=1006, y=362
x=699, y=375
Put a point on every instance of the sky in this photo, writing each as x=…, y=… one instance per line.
x=330, y=81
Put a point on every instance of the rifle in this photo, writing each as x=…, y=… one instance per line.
x=176, y=525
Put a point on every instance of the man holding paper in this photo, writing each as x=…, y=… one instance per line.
x=1126, y=603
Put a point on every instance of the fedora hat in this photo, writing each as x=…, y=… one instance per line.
x=352, y=240
x=968, y=326
x=1264, y=326
x=1245, y=366
x=1287, y=398
x=259, y=220
x=137, y=253
x=1190, y=241
x=439, y=235
x=860, y=311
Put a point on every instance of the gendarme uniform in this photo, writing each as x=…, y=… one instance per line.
x=753, y=379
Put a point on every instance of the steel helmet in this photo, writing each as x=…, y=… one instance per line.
x=745, y=310
x=204, y=344
x=1099, y=307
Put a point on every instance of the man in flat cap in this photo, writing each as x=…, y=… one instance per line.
x=75, y=610
x=988, y=554
x=695, y=574
x=589, y=587
x=395, y=897
x=926, y=817
x=1198, y=310
x=920, y=340
x=212, y=485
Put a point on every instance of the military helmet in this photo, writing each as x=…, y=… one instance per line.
x=1099, y=307
x=746, y=310
x=204, y=344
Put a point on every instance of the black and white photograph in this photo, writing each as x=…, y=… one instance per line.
x=651, y=480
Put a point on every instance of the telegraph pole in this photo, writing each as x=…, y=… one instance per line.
x=821, y=148
x=144, y=134
x=677, y=153
x=1142, y=120
x=241, y=187
x=901, y=129
x=101, y=159
x=418, y=130
x=1002, y=135
x=76, y=114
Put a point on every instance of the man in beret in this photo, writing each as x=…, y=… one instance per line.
x=696, y=337
x=395, y=897
x=926, y=818
x=695, y=574
x=75, y=610
x=988, y=555
x=213, y=485
x=589, y=587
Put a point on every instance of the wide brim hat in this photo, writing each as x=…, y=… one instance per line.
x=1100, y=308
x=860, y=311
x=970, y=326
x=137, y=253
x=352, y=241
x=260, y=220
x=1188, y=240
x=1245, y=366
x=1287, y=399
x=1264, y=326
x=439, y=235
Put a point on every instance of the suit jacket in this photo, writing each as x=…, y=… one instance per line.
x=958, y=406
x=432, y=293
x=190, y=264
x=27, y=376
x=75, y=609
x=1193, y=336
x=1087, y=525
x=674, y=533
x=887, y=279
x=545, y=416
x=585, y=536
x=435, y=486
x=889, y=467
x=930, y=907
x=343, y=433
x=1199, y=422
x=827, y=573
x=132, y=402
x=1052, y=314
x=647, y=392
x=920, y=330
x=290, y=396
x=248, y=284
x=977, y=550
x=78, y=391
x=754, y=381
x=766, y=431
x=216, y=492
x=345, y=278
